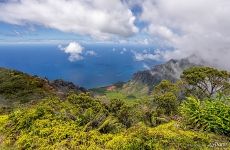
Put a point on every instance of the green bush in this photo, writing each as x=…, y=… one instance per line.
x=166, y=103
x=167, y=136
x=165, y=97
x=20, y=87
x=83, y=122
x=208, y=115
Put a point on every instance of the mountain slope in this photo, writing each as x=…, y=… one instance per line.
x=19, y=88
x=143, y=82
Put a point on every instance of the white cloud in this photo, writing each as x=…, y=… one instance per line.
x=75, y=51
x=91, y=53
x=145, y=42
x=200, y=27
x=98, y=18
x=146, y=67
x=161, y=31
x=156, y=56
x=123, y=41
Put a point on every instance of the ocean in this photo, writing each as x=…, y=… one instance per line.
x=109, y=64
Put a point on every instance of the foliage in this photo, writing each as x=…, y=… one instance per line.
x=205, y=81
x=3, y=120
x=166, y=103
x=165, y=97
x=208, y=115
x=41, y=132
x=83, y=122
x=51, y=123
x=166, y=86
x=18, y=87
x=117, y=121
x=167, y=136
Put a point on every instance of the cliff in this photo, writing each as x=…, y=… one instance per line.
x=143, y=82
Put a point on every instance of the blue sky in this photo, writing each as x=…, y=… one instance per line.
x=10, y=33
x=186, y=26
x=32, y=33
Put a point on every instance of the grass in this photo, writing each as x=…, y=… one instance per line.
x=114, y=94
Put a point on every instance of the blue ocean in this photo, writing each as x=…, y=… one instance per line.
x=110, y=64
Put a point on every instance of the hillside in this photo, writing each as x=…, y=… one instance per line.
x=143, y=81
x=18, y=88
x=79, y=120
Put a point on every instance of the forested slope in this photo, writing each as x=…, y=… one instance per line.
x=180, y=115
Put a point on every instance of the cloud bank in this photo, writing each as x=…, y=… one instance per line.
x=75, y=51
x=98, y=18
x=191, y=27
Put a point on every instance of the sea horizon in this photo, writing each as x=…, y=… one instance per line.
x=101, y=64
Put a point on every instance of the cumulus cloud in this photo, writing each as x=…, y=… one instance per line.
x=200, y=27
x=141, y=56
x=74, y=50
x=98, y=18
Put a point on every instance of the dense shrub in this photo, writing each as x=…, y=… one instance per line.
x=167, y=136
x=20, y=87
x=166, y=103
x=209, y=115
x=83, y=122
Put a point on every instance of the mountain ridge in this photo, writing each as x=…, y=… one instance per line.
x=144, y=81
x=17, y=87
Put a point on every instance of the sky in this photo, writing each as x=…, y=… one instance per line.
x=198, y=28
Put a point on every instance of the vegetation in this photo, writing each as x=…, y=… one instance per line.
x=205, y=81
x=17, y=87
x=81, y=122
x=165, y=97
x=211, y=115
x=165, y=119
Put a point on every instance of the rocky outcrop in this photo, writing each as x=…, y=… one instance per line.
x=144, y=81
x=171, y=70
x=66, y=86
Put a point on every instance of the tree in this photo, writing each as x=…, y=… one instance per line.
x=203, y=81
x=166, y=103
x=165, y=97
x=166, y=86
